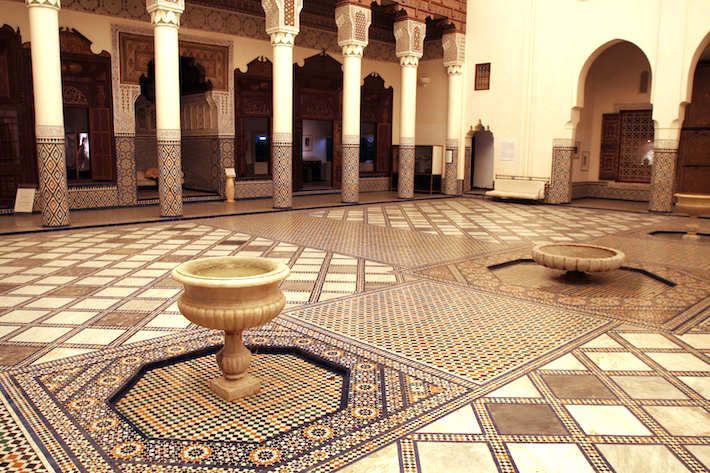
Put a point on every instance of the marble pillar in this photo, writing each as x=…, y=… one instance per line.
x=454, y=55
x=282, y=25
x=353, y=24
x=165, y=17
x=409, y=37
x=49, y=111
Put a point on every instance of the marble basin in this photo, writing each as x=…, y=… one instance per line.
x=231, y=293
x=694, y=205
x=578, y=257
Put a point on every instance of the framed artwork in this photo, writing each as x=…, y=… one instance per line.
x=307, y=143
x=584, y=165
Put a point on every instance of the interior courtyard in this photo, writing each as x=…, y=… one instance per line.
x=421, y=236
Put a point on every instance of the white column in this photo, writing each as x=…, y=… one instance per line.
x=165, y=16
x=353, y=23
x=454, y=54
x=409, y=36
x=282, y=24
x=49, y=112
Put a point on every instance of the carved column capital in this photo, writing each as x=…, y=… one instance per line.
x=353, y=25
x=454, y=69
x=165, y=12
x=55, y=4
x=409, y=61
x=282, y=19
x=409, y=37
x=355, y=50
x=454, y=45
x=285, y=38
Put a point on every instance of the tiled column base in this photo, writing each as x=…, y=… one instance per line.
x=53, y=182
x=450, y=178
x=467, y=184
x=282, y=173
x=662, y=179
x=224, y=158
x=170, y=183
x=560, y=189
x=126, y=169
x=406, y=172
x=351, y=173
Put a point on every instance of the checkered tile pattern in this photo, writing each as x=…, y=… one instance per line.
x=82, y=291
x=630, y=401
x=493, y=222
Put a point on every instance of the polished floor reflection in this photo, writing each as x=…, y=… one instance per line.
x=419, y=335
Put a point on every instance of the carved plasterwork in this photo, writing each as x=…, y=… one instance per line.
x=454, y=46
x=207, y=114
x=282, y=16
x=218, y=63
x=165, y=12
x=44, y=3
x=353, y=23
x=409, y=37
x=137, y=51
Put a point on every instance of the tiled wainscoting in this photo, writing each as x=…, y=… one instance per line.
x=611, y=190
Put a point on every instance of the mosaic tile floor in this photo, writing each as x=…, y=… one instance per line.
x=417, y=338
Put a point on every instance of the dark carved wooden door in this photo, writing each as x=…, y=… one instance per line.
x=694, y=151
x=609, y=154
x=17, y=149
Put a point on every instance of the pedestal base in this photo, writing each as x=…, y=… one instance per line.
x=229, y=390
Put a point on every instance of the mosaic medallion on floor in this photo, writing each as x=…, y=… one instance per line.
x=323, y=403
x=649, y=294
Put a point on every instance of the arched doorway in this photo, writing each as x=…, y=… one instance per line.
x=615, y=131
x=693, y=172
x=482, y=158
x=317, y=137
x=198, y=117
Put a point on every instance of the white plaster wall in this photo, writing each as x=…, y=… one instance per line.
x=539, y=48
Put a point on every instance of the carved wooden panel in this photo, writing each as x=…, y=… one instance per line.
x=635, y=142
x=101, y=141
x=609, y=153
x=138, y=50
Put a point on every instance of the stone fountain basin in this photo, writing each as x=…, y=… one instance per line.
x=693, y=204
x=578, y=257
x=231, y=293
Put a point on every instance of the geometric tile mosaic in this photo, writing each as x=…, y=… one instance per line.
x=451, y=366
x=467, y=333
x=385, y=397
x=294, y=391
x=634, y=296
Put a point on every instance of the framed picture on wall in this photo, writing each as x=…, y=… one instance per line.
x=307, y=143
x=584, y=165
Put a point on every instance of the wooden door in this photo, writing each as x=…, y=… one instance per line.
x=693, y=175
x=17, y=148
x=609, y=153
x=101, y=144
